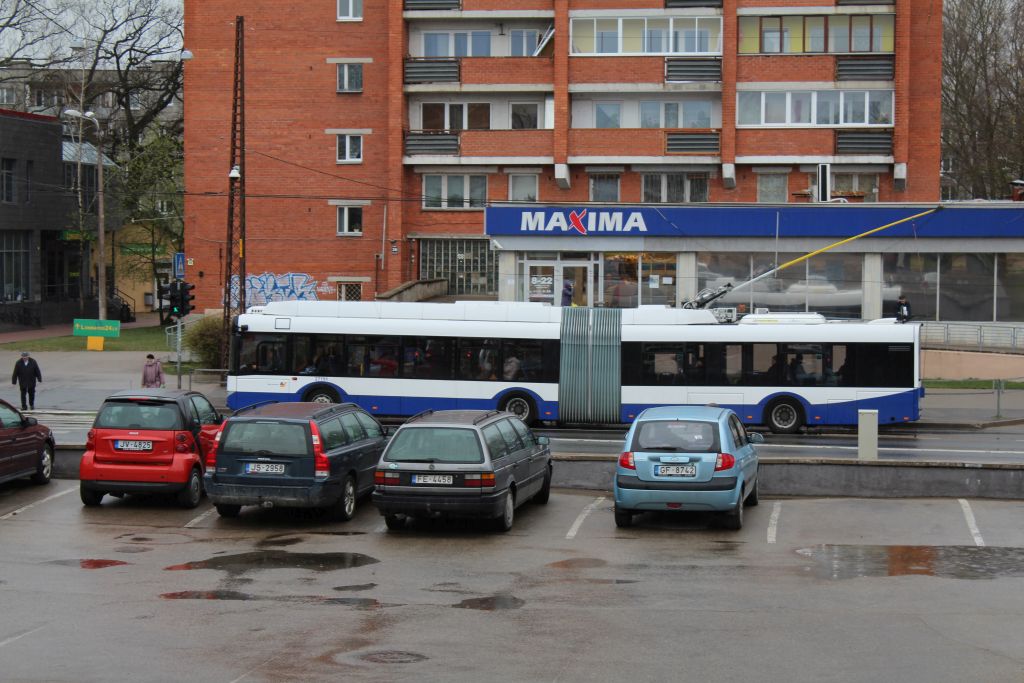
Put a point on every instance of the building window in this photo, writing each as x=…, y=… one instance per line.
x=522, y=187
x=457, y=44
x=773, y=188
x=653, y=35
x=815, y=108
x=350, y=149
x=350, y=78
x=469, y=265
x=849, y=185
x=8, y=95
x=350, y=9
x=833, y=34
x=350, y=291
x=14, y=264
x=660, y=188
x=524, y=42
x=525, y=115
x=46, y=98
x=456, y=115
x=607, y=115
x=604, y=187
x=350, y=220
x=29, y=172
x=454, y=191
x=7, y=167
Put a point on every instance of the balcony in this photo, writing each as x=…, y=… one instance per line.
x=865, y=2
x=635, y=69
x=875, y=68
x=685, y=69
x=431, y=142
x=519, y=70
x=680, y=4
x=419, y=5
x=864, y=142
x=642, y=142
x=692, y=142
x=432, y=70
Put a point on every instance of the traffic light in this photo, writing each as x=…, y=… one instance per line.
x=165, y=292
x=175, y=299
x=186, y=297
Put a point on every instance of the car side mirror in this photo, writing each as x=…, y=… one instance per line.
x=30, y=422
x=755, y=437
x=543, y=441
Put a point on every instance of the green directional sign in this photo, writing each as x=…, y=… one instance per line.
x=96, y=328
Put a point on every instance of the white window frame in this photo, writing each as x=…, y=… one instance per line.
x=663, y=183
x=618, y=186
x=451, y=43
x=342, y=142
x=843, y=97
x=350, y=10
x=344, y=220
x=615, y=103
x=344, y=76
x=536, y=186
x=524, y=32
x=8, y=95
x=464, y=123
x=536, y=105
x=873, y=33
x=784, y=176
x=677, y=25
x=467, y=201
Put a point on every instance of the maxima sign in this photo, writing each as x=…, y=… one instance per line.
x=800, y=220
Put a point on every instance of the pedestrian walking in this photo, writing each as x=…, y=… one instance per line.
x=26, y=374
x=152, y=373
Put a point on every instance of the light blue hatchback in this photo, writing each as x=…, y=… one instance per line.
x=687, y=458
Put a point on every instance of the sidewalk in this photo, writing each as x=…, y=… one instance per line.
x=145, y=319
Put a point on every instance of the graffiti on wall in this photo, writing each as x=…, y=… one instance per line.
x=266, y=287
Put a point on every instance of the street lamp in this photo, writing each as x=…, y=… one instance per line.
x=101, y=256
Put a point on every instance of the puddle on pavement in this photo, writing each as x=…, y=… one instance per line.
x=393, y=657
x=358, y=603
x=278, y=542
x=281, y=540
x=357, y=587
x=90, y=564
x=492, y=603
x=131, y=549
x=278, y=559
x=578, y=563
x=158, y=538
x=948, y=562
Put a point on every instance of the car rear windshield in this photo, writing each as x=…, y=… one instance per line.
x=435, y=444
x=153, y=415
x=689, y=436
x=265, y=437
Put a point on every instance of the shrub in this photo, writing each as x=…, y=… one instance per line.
x=203, y=339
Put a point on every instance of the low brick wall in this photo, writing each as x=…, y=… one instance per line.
x=936, y=364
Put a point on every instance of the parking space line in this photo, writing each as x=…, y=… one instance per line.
x=971, y=524
x=582, y=516
x=19, y=637
x=17, y=512
x=195, y=522
x=773, y=521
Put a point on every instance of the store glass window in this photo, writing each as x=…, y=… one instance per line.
x=834, y=285
x=658, y=278
x=621, y=275
x=14, y=265
x=965, y=287
x=1010, y=287
x=914, y=275
x=782, y=291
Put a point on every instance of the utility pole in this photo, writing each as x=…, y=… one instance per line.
x=234, y=247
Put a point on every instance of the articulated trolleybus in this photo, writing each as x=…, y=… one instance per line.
x=575, y=365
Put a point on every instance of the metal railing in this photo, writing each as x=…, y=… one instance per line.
x=220, y=373
x=963, y=336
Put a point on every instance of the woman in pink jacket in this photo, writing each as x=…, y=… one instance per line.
x=152, y=373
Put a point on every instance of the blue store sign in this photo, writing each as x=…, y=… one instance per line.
x=807, y=220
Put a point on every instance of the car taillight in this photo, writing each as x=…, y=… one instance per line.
x=383, y=478
x=724, y=462
x=184, y=442
x=211, y=457
x=626, y=461
x=321, y=466
x=479, y=480
x=90, y=440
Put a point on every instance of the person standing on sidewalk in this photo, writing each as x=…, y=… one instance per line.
x=152, y=373
x=26, y=374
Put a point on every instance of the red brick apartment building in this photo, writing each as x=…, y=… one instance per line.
x=377, y=131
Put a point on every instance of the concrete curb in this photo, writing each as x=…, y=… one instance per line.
x=808, y=477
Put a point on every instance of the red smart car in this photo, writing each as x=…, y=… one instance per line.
x=149, y=441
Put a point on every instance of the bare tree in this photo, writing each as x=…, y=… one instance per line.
x=27, y=35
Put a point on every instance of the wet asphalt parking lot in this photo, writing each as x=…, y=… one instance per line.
x=840, y=589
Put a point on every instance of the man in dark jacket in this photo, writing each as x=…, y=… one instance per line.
x=26, y=374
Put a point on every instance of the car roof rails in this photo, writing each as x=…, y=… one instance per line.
x=258, y=404
x=489, y=414
x=422, y=413
x=329, y=408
